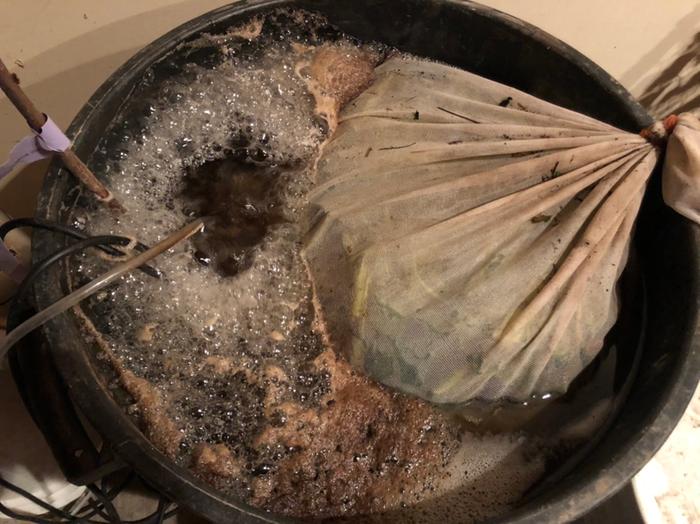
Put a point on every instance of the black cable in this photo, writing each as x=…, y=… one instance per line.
x=61, y=514
x=92, y=507
x=22, y=517
x=73, y=233
x=80, y=245
x=105, y=498
x=40, y=223
x=162, y=507
x=89, y=511
x=104, y=508
x=44, y=505
x=113, y=515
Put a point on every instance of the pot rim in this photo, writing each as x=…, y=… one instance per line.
x=95, y=401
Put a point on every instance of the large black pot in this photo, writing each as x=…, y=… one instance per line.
x=493, y=45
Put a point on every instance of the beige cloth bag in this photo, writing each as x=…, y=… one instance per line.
x=465, y=238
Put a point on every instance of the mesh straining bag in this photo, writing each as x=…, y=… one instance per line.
x=465, y=238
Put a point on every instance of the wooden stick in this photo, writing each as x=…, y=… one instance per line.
x=36, y=119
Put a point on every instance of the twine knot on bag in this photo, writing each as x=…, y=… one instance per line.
x=658, y=132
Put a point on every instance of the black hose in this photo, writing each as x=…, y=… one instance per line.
x=20, y=517
x=38, y=223
x=40, y=267
x=94, y=507
x=104, y=506
x=104, y=509
x=112, y=514
x=44, y=505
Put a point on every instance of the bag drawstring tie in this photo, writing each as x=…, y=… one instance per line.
x=658, y=132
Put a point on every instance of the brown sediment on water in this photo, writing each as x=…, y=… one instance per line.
x=152, y=410
x=214, y=461
x=250, y=30
x=364, y=449
x=359, y=449
x=148, y=404
x=336, y=74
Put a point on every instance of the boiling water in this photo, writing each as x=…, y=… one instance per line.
x=220, y=357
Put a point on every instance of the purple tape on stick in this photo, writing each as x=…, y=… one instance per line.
x=36, y=147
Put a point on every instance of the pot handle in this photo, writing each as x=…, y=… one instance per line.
x=47, y=399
